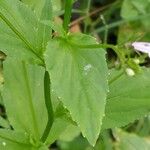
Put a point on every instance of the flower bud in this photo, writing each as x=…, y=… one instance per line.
x=130, y=72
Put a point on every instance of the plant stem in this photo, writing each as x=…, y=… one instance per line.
x=67, y=15
x=106, y=29
x=105, y=46
x=87, y=14
x=48, y=103
x=120, y=22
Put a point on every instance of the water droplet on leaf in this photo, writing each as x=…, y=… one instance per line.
x=87, y=68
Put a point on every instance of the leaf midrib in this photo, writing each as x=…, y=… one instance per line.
x=81, y=82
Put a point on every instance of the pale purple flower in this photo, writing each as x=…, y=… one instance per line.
x=142, y=47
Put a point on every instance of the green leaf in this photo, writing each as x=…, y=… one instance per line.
x=128, y=99
x=43, y=10
x=77, y=144
x=131, y=142
x=134, y=8
x=4, y=123
x=21, y=17
x=37, y=6
x=56, y=27
x=56, y=5
x=11, y=140
x=58, y=128
x=13, y=46
x=69, y=133
x=79, y=78
x=1, y=99
x=125, y=13
x=23, y=97
x=44, y=31
x=20, y=26
x=62, y=121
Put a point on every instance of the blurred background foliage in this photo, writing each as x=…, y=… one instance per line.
x=118, y=22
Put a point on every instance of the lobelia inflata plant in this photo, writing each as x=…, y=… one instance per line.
x=76, y=93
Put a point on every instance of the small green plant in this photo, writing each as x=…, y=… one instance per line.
x=56, y=81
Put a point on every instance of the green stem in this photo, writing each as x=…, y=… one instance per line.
x=105, y=46
x=120, y=22
x=20, y=36
x=67, y=15
x=95, y=46
x=106, y=29
x=48, y=103
x=87, y=14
